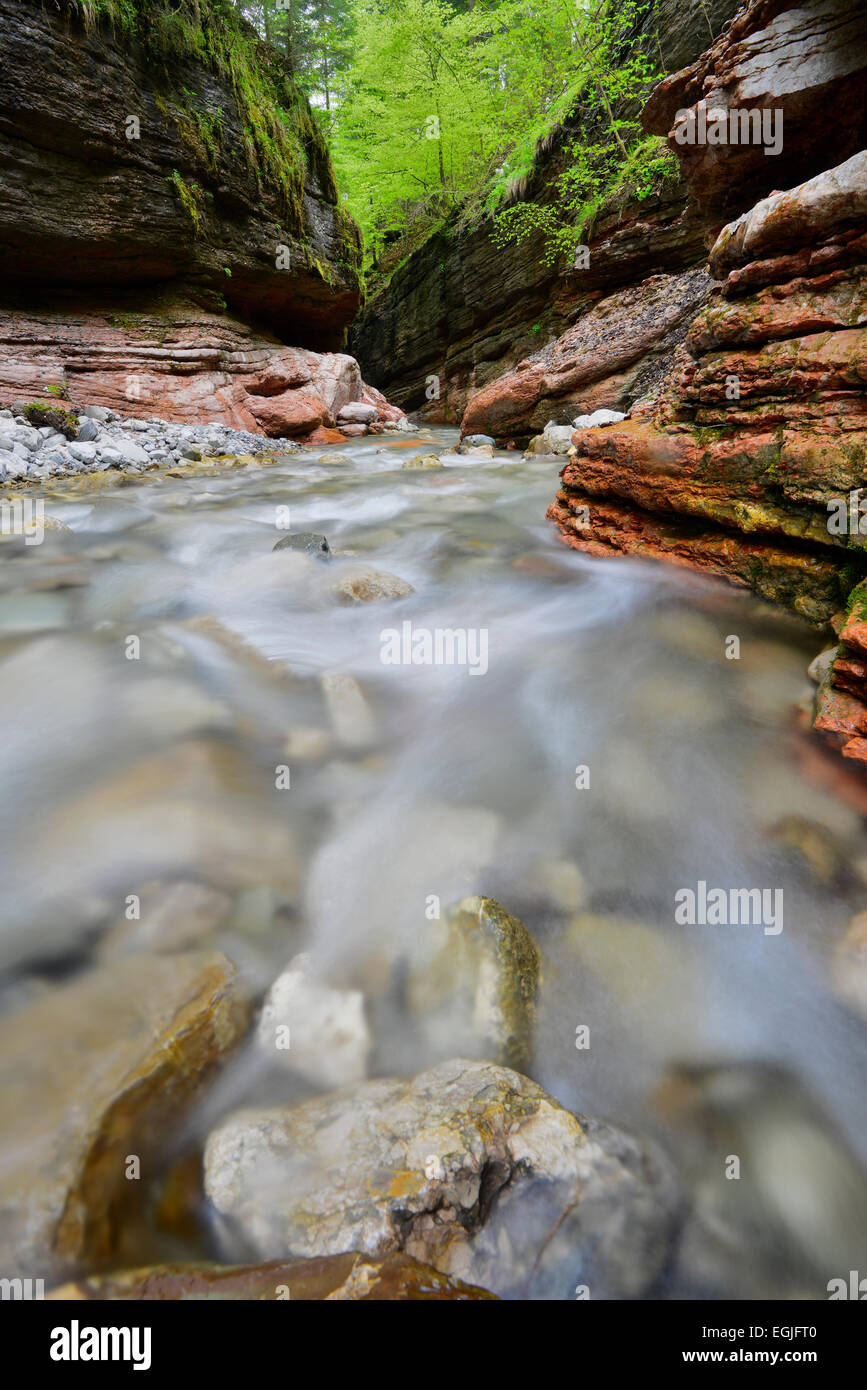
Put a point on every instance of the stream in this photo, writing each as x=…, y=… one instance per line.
x=160, y=665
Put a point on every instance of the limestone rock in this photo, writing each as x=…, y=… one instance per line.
x=309, y=1028
x=423, y=461
x=473, y=988
x=364, y=584
x=800, y=57
x=92, y=1072
x=470, y=1167
x=174, y=917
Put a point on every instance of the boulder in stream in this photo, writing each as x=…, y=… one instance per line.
x=471, y=1168
x=94, y=1073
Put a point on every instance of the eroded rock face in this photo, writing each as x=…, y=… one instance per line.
x=82, y=203
x=136, y=258
x=604, y=361
x=804, y=58
x=177, y=356
x=352, y=1277
x=92, y=1073
x=734, y=466
x=470, y=1167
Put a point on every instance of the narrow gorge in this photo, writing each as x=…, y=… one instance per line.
x=433, y=659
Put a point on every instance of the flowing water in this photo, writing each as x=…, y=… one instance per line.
x=128, y=764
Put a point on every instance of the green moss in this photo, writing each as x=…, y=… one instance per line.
x=63, y=421
x=281, y=138
x=190, y=198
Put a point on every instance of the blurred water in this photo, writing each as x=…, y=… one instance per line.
x=118, y=773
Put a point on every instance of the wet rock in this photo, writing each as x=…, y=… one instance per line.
x=329, y=460
x=173, y=917
x=94, y=1072
x=198, y=810
x=470, y=1167
x=316, y=1031
x=817, y=848
x=821, y=665
x=351, y=715
x=423, y=461
x=474, y=987
x=356, y=413
x=364, y=584
x=799, y=1205
x=308, y=743
x=308, y=542
x=849, y=964
x=352, y=1277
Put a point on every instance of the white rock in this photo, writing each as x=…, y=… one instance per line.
x=599, y=417
x=357, y=413
x=319, y=1032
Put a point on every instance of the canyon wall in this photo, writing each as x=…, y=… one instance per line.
x=159, y=249
x=464, y=311
x=748, y=459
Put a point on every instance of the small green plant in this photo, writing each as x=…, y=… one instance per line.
x=190, y=197
x=227, y=271
x=57, y=388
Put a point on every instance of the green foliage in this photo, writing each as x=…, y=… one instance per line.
x=189, y=196
x=598, y=177
x=445, y=104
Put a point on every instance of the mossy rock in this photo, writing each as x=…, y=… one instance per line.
x=475, y=990
x=38, y=414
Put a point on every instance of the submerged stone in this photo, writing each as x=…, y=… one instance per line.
x=471, y=1168
x=474, y=987
x=308, y=542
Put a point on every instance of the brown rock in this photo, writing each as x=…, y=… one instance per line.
x=291, y=413
x=801, y=57
x=352, y=1277
x=92, y=1073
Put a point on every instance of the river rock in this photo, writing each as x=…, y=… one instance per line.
x=309, y=542
x=598, y=417
x=473, y=988
x=316, y=1031
x=352, y=1277
x=93, y=1072
x=423, y=461
x=173, y=917
x=470, y=1167
x=356, y=413
x=329, y=460
x=364, y=584
x=849, y=964
x=351, y=715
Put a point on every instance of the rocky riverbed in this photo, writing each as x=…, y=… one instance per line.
x=336, y=966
